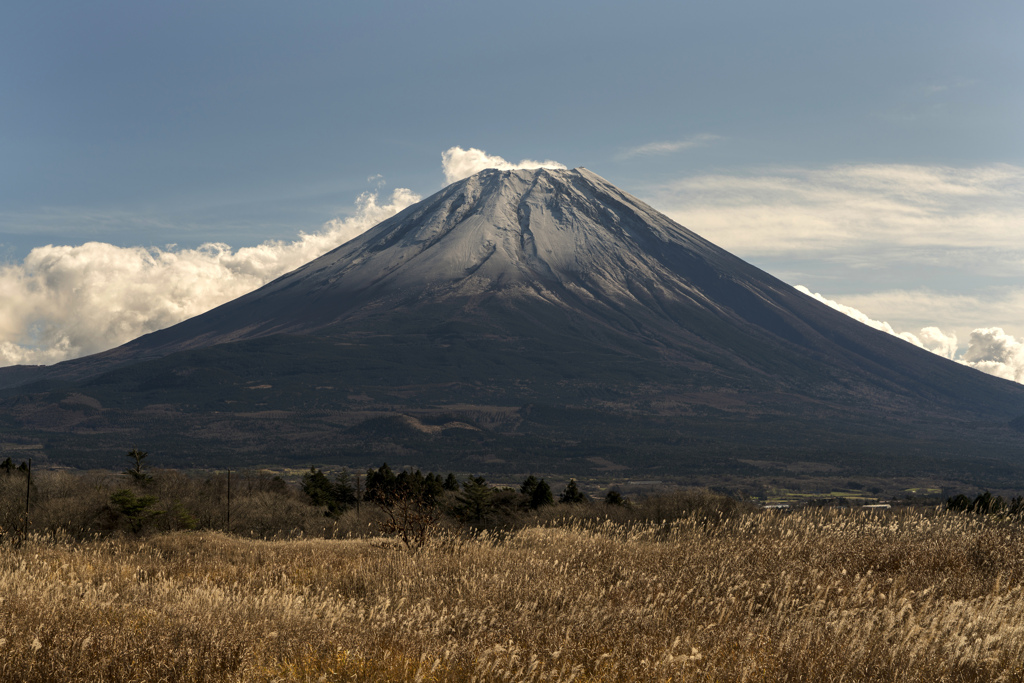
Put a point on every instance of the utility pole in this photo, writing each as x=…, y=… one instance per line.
x=229, y=501
x=28, y=491
x=359, y=493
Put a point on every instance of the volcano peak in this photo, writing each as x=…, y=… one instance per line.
x=521, y=288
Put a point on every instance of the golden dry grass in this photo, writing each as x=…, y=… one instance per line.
x=823, y=595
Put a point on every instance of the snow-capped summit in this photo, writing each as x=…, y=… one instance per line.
x=567, y=239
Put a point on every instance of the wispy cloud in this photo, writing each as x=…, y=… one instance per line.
x=62, y=302
x=461, y=163
x=873, y=229
x=652, y=148
x=846, y=209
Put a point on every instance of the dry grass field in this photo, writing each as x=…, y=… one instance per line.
x=815, y=595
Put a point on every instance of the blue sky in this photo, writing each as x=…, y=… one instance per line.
x=870, y=151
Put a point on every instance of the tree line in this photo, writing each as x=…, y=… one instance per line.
x=407, y=503
x=414, y=503
x=986, y=504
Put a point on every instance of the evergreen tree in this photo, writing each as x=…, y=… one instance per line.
x=987, y=504
x=475, y=499
x=451, y=483
x=572, y=494
x=336, y=497
x=433, y=487
x=317, y=486
x=528, y=486
x=1016, y=505
x=343, y=492
x=380, y=485
x=984, y=504
x=135, y=510
x=613, y=497
x=541, y=495
x=960, y=503
x=135, y=471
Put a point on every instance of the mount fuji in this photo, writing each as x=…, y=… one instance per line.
x=521, y=321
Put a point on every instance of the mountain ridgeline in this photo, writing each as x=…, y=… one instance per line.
x=528, y=321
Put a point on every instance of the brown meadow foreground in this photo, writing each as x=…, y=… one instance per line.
x=813, y=595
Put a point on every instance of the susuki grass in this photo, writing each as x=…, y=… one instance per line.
x=816, y=595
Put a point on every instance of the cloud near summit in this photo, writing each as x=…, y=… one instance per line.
x=461, y=163
x=63, y=302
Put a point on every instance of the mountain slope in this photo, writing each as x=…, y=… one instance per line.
x=516, y=289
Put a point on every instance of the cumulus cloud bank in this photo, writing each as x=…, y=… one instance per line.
x=989, y=349
x=461, y=163
x=993, y=351
x=63, y=302
x=67, y=301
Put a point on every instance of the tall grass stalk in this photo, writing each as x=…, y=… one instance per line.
x=822, y=595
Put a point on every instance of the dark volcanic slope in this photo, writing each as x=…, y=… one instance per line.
x=553, y=287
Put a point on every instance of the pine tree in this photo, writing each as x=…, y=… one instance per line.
x=135, y=471
x=572, y=494
x=528, y=486
x=433, y=487
x=317, y=486
x=475, y=499
x=380, y=485
x=135, y=510
x=336, y=497
x=613, y=497
x=343, y=492
x=541, y=495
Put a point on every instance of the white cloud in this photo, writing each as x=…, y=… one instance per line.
x=989, y=349
x=852, y=209
x=67, y=301
x=961, y=312
x=668, y=147
x=461, y=163
x=931, y=338
x=993, y=351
